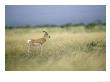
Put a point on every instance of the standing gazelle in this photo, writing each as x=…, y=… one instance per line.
x=37, y=42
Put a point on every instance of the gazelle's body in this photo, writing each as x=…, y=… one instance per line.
x=37, y=42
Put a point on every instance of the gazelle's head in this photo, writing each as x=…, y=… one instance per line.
x=46, y=35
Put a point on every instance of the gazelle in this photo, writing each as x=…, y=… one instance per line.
x=37, y=42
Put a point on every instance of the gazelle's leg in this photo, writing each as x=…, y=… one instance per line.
x=28, y=49
x=40, y=49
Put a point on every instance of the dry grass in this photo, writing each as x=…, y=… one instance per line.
x=66, y=50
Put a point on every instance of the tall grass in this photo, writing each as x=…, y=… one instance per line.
x=65, y=50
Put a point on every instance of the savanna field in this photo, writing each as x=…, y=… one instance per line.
x=68, y=49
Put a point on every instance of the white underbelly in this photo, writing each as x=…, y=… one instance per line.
x=36, y=44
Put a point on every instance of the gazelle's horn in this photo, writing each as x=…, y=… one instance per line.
x=45, y=32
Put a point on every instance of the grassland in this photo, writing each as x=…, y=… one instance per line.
x=73, y=50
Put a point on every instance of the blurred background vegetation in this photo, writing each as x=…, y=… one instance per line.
x=93, y=26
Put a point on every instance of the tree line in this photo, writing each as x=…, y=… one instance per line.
x=68, y=25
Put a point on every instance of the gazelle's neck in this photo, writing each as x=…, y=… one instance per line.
x=44, y=37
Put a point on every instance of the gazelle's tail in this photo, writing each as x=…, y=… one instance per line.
x=28, y=41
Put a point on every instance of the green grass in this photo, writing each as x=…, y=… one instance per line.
x=65, y=50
